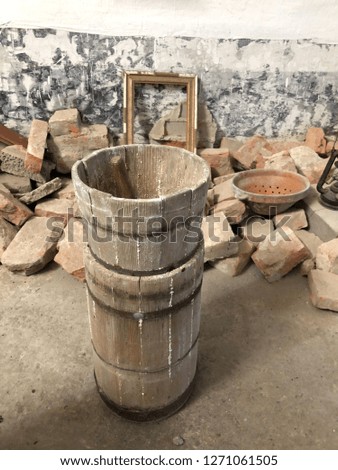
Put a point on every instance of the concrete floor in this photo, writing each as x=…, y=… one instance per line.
x=267, y=379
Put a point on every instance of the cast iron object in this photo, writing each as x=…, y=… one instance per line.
x=270, y=192
x=329, y=195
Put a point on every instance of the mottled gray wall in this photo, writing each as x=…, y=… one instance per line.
x=275, y=88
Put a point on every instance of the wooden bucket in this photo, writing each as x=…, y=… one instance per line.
x=144, y=278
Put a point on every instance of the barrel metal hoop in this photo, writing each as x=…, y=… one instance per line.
x=153, y=371
x=147, y=315
x=128, y=272
x=156, y=414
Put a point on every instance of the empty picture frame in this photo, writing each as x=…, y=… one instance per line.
x=132, y=78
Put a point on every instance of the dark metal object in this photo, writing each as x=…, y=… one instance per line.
x=329, y=195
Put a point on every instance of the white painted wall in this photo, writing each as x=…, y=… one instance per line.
x=253, y=19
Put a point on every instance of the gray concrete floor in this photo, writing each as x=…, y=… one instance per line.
x=267, y=379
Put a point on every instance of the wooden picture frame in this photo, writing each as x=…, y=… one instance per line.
x=132, y=78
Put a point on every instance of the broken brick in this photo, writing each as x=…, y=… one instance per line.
x=231, y=144
x=233, y=209
x=67, y=149
x=323, y=289
x=218, y=160
x=292, y=218
x=279, y=254
x=327, y=256
x=315, y=139
x=12, y=160
x=13, y=210
x=36, y=146
x=33, y=246
x=53, y=207
x=66, y=191
x=256, y=229
x=70, y=250
x=64, y=122
x=281, y=161
x=223, y=191
x=42, y=191
x=219, y=239
x=251, y=151
x=235, y=264
x=7, y=233
x=16, y=184
x=308, y=163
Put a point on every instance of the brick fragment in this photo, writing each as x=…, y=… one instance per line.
x=252, y=151
x=67, y=149
x=294, y=218
x=36, y=146
x=64, y=122
x=312, y=243
x=308, y=163
x=231, y=144
x=256, y=229
x=327, y=256
x=218, y=160
x=16, y=184
x=66, y=191
x=235, y=264
x=42, y=191
x=284, y=145
x=12, y=160
x=70, y=249
x=221, y=179
x=13, y=210
x=279, y=254
x=281, y=161
x=315, y=139
x=33, y=246
x=219, y=239
x=53, y=207
x=323, y=289
x=223, y=191
x=233, y=209
x=7, y=233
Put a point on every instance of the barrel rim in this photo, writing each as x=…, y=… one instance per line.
x=205, y=177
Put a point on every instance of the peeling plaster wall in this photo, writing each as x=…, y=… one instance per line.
x=273, y=87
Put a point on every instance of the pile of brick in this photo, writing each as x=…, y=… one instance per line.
x=39, y=217
x=234, y=237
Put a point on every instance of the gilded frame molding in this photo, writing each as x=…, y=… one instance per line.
x=132, y=78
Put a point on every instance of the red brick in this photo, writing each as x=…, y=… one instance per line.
x=252, y=152
x=64, y=122
x=323, y=289
x=13, y=210
x=315, y=139
x=70, y=250
x=34, y=246
x=36, y=146
x=218, y=160
x=279, y=253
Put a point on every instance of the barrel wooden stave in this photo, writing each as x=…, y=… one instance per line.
x=154, y=343
x=156, y=313
x=145, y=391
x=156, y=292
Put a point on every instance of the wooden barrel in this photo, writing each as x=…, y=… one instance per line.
x=166, y=189
x=143, y=281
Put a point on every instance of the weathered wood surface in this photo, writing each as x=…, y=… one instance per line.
x=160, y=179
x=144, y=292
